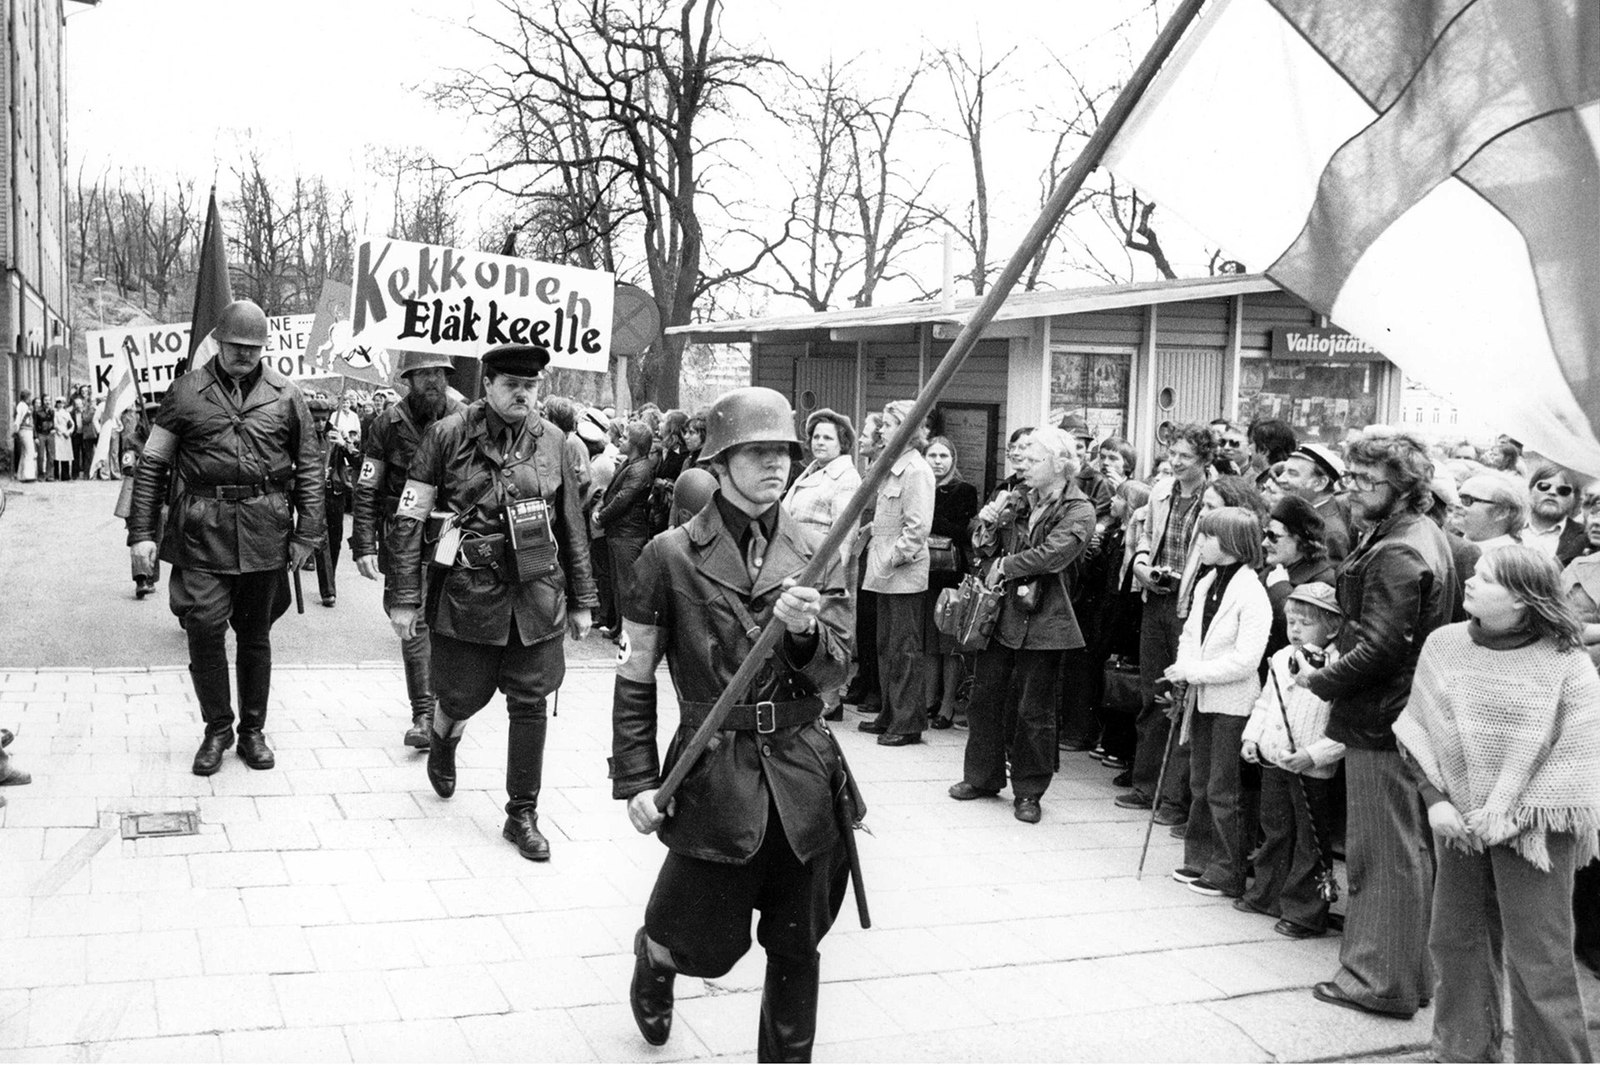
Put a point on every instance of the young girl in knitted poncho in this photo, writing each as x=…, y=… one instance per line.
x=1503, y=733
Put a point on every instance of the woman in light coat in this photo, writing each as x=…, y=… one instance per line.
x=1219, y=657
x=897, y=572
x=62, y=424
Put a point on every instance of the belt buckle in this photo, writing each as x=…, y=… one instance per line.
x=766, y=717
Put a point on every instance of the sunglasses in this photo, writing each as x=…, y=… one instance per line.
x=1548, y=487
x=1272, y=537
x=1233, y=443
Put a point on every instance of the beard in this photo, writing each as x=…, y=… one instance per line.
x=1550, y=510
x=426, y=406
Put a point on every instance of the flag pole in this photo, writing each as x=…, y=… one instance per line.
x=845, y=522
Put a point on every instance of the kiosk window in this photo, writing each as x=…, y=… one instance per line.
x=1092, y=386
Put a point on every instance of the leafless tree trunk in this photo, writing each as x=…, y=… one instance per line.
x=970, y=82
x=598, y=109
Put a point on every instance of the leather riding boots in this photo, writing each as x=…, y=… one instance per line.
x=254, y=670
x=650, y=994
x=211, y=688
x=522, y=828
x=789, y=1008
x=442, y=756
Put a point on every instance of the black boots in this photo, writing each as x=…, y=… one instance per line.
x=212, y=689
x=789, y=1008
x=253, y=749
x=420, y=734
x=650, y=994
x=522, y=828
x=442, y=764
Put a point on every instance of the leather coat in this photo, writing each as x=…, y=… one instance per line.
x=1038, y=552
x=624, y=508
x=266, y=440
x=458, y=468
x=690, y=601
x=1397, y=586
x=387, y=449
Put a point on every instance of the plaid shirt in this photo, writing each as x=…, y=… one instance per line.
x=818, y=497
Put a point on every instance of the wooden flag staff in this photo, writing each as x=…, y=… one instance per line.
x=1057, y=205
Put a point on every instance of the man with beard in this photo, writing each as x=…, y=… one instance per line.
x=490, y=549
x=1553, y=528
x=238, y=436
x=1396, y=587
x=390, y=445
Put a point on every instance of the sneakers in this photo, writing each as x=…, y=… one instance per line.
x=1185, y=874
x=1202, y=886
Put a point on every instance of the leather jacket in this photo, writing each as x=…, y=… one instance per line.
x=1038, y=553
x=691, y=600
x=1397, y=586
x=386, y=453
x=458, y=468
x=265, y=442
x=624, y=508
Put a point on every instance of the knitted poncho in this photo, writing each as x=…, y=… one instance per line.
x=1511, y=736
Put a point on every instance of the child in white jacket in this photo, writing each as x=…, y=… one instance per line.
x=1219, y=657
x=1286, y=734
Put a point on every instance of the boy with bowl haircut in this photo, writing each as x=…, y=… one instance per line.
x=1286, y=734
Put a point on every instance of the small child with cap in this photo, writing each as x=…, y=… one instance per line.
x=1286, y=734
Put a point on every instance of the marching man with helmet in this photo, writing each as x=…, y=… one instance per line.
x=489, y=548
x=391, y=443
x=249, y=507
x=757, y=824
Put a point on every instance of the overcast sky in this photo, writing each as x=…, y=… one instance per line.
x=185, y=86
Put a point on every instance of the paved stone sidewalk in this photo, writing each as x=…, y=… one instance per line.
x=336, y=910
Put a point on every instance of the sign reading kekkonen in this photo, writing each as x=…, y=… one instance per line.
x=454, y=301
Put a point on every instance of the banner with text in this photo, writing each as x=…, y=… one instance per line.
x=454, y=301
x=157, y=349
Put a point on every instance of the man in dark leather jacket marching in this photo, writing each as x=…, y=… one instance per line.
x=250, y=507
x=502, y=578
x=387, y=449
x=754, y=826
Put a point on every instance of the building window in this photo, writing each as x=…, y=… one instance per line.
x=1093, y=387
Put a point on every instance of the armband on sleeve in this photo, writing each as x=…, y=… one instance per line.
x=640, y=649
x=416, y=501
x=372, y=471
x=161, y=445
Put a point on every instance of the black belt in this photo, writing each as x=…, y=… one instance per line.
x=233, y=492
x=754, y=717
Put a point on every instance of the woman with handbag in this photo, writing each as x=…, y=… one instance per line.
x=1028, y=539
x=955, y=504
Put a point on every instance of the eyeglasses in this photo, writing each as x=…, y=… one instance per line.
x=1549, y=487
x=1469, y=500
x=1272, y=537
x=1363, y=482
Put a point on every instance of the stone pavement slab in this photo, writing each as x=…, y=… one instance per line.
x=335, y=909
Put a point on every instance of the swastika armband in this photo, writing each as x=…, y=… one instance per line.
x=161, y=445
x=416, y=501
x=641, y=649
x=372, y=472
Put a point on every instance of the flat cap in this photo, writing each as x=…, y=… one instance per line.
x=519, y=360
x=1318, y=594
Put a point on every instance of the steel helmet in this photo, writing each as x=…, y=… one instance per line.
x=242, y=322
x=411, y=361
x=690, y=493
x=749, y=416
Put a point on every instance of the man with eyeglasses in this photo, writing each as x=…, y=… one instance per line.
x=1396, y=587
x=1556, y=493
x=1313, y=473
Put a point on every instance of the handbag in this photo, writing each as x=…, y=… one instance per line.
x=967, y=613
x=1121, y=691
x=942, y=555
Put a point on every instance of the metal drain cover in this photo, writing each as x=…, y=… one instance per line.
x=178, y=823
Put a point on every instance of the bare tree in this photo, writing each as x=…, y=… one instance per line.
x=166, y=228
x=599, y=110
x=970, y=83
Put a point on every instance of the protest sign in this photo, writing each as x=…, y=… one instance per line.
x=455, y=301
x=156, y=351
x=330, y=348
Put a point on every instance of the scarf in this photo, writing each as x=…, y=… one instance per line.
x=1510, y=731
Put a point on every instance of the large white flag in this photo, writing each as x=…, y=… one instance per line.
x=1424, y=172
x=116, y=402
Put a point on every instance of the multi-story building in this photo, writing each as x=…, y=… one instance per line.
x=34, y=318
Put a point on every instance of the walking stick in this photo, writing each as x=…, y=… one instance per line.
x=845, y=522
x=1174, y=734
x=1327, y=882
